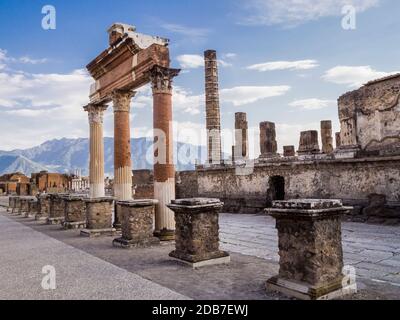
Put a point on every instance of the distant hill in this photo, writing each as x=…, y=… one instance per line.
x=67, y=155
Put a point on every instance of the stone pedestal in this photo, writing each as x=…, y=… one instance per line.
x=74, y=213
x=17, y=205
x=43, y=207
x=11, y=204
x=57, y=204
x=98, y=217
x=289, y=151
x=24, y=206
x=308, y=143
x=32, y=208
x=197, y=232
x=310, y=249
x=137, y=224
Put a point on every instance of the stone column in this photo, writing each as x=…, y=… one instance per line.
x=213, y=117
x=96, y=145
x=241, y=136
x=289, y=151
x=310, y=249
x=326, y=137
x=122, y=144
x=268, y=144
x=137, y=224
x=197, y=232
x=308, y=143
x=338, y=140
x=164, y=169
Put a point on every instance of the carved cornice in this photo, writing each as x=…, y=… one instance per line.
x=161, y=79
x=95, y=112
x=122, y=100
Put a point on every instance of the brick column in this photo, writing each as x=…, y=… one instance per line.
x=164, y=170
x=268, y=144
x=96, y=144
x=241, y=136
x=122, y=144
x=326, y=137
x=213, y=116
x=308, y=143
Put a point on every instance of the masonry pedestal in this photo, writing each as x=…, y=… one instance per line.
x=197, y=232
x=17, y=204
x=32, y=208
x=43, y=207
x=56, y=215
x=99, y=217
x=24, y=207
x=11, y=204
x=310, y=250
x=137, y=224
x=74, y=213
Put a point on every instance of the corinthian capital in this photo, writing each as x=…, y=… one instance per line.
x=95, y=112
x=122, y=100
x=161, y=79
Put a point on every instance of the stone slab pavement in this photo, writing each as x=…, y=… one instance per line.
x=251, y=239
x=79, y=275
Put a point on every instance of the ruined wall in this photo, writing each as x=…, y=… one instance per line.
x=359, y=182
x=370, y=116
x=186, y=184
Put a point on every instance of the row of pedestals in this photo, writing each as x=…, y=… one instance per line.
x=310, y=237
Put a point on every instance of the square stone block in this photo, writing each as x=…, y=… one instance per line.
x=137, y=219
x=43, y=210
x=197, y=231
x=57, y=205
x=310, y=248
x=74, y=211
x=98, y=217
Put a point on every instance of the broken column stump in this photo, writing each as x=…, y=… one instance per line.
x=43, y=210
x=11, y=204
x=99, y=217
x=56, y=215
x=74, y=213
x=197, y=232
x=310, y=249
x=17, y=204
x=24, y=206
x=309, y=143
x=137, y=221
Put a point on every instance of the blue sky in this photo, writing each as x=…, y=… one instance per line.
x=285, y=61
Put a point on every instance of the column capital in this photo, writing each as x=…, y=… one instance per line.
x=95, y=112
x=122, y=99
x=161, y=79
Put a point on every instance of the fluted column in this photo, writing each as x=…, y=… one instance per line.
x=122, y=144
x=96, y=144
x=164, y=170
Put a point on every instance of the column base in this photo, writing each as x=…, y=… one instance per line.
x=131, y=244
x=217, y=258
x=55, y=221
x=165, y=235
x=305, y=291
x=74, y=225
x=93, y=233
x=40, y=218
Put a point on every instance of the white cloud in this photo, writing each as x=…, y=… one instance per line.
x=294, y=12
x=284, y=65
x=190, y=61
x=4, y=59
x=353, y=76
x=29, y=60
x=312, y=104
x=185, y=30
x=229, y=55
x=243, y=95
x=194, y=61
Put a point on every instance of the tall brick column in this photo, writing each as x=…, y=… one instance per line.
x=213, y=116
x=122, y=144
x=96, y=143
x=326, y=137
x=164, y=170
x=308, y=143
x=268, y=144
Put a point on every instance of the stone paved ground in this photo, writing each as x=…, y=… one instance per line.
x=251, y=239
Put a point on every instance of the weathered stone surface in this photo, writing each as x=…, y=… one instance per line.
x=326, y=136
x=268, y=144
x=308, y=143
x=137, y=220
x=43, y=207
x=17, y=205
x=197, y=230
x=310, y=247
x=32, y=208
x=338, y=140
x=75, y=212
x=369, y=116
x=289, y=151
x=99, y=213
x=240, y=150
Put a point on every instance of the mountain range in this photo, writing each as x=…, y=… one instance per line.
x=68, y=155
